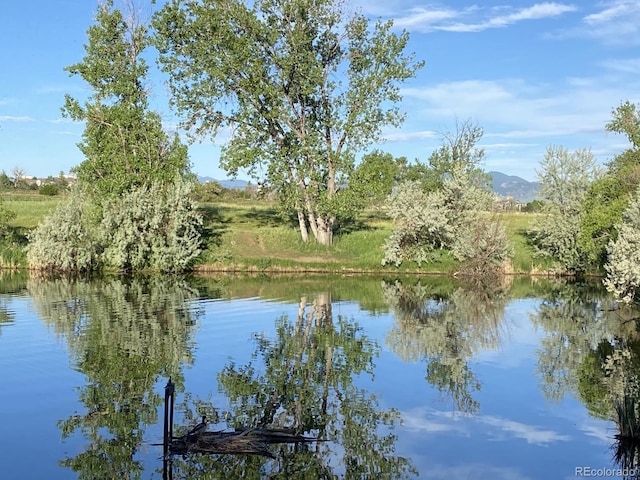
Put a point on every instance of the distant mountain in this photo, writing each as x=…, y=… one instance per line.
x=514, y=187
x=502, y=184
x=238, y=184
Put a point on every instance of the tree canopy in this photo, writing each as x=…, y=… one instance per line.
x=131, y=208
x=123, y=142
x=609, y=196
x=564, y=178
x=300, y=85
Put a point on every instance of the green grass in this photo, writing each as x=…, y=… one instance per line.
x=30, y=208
x=249, y=234
x=246, y=235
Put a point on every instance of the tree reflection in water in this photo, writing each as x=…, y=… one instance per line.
x=304, y=379
x=124, y=334
x=592, y=349
x=446, y=329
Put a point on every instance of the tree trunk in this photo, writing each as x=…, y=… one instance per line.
x=304, y=233
x=325, y=230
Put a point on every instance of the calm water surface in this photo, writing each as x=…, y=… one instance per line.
x=401, y=378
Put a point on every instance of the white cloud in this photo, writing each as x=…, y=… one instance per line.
x=62, y=120
x=473, y=470
x=618, y=22
x=423, y=19
x=513, y=108
x=65, y=132
x=530, y=433
x=476, y=19
x=9, y=118
x=410, y=136
x=433, y=421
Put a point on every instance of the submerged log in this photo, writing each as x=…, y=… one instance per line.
x=252, y=441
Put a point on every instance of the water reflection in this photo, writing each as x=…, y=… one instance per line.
x=303, y=379
x=312, y=371
x=592, y=349
x=11, y=282
x=446, y=329
x=123, y=335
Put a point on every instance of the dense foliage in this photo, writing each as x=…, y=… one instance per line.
x=454, y=214
x=132, y=208
x=623, y=256
x=564, y=180
x=302, y=86
x=5, y=216
x=151, y=227
x=68, y=239
x=608, y=196
x=123, y=143
x=372, y=181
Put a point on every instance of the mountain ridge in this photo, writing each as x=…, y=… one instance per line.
x=501, y=184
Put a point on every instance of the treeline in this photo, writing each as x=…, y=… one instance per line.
x=589, y=219
x=19, y=182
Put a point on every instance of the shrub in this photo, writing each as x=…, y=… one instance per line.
x=152, y=228
x=623, y=261
x=421, y=224
x=67, y=240
x=453, y=217
x=49, y=189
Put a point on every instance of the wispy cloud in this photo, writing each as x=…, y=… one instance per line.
x=10, y=118
x=64, y=132
x=618, y=22
x=518, y=109
x=472, y=470
x=410, y=136
x=477, y=19
x=614, y=22
x=433, y=421
x=531, y=433
x=62, y=120
x=623, y=65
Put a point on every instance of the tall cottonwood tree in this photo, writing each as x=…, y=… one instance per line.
x=123, y=143
x=301, y=84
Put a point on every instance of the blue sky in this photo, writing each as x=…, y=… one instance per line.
x=532, y=74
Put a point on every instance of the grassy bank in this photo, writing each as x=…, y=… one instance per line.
x=250, y=235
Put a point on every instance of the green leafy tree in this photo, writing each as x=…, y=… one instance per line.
x=123, y=143
x=6, y=216
x=5, y=181
x=302, y=86
x=375, y=176
x=460, y=153
x=623, y=256
x=132, y=208
x=608, y=197
x=564, y=179
x=626, y=121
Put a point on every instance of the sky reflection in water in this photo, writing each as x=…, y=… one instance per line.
x=485, y=384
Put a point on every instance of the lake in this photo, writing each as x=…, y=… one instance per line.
x=425, y=377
